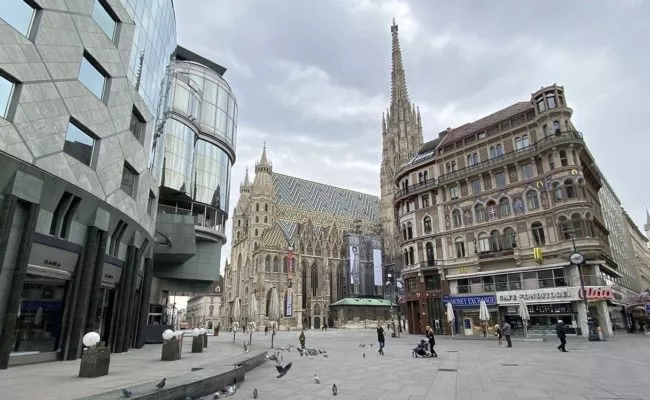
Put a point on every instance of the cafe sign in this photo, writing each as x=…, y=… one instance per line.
x=547, y=295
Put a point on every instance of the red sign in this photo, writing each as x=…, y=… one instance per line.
x=596, y=293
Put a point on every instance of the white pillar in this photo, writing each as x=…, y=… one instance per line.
x=604, y=319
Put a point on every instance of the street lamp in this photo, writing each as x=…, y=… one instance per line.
x=576, y=258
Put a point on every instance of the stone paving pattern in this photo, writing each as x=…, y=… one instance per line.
x=616, y=369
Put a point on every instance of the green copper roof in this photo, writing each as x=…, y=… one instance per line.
x=353, y=301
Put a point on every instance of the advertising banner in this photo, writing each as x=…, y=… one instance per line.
x=354, y=265
x=288, y=304
x=376, y=264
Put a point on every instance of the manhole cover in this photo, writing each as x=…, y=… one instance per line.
x=452, y=351
x=510, y=365
x=447, y=369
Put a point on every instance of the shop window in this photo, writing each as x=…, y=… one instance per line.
x=40, y=313
x=559, y=277
x=463, y=286
x=63, y=215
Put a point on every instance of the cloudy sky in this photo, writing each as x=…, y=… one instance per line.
x=312, y=76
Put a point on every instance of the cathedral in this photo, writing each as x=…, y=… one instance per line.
x=292, y=240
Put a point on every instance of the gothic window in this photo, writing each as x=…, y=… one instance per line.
x=257, y=206
x=577, y=226
x=276, y=264
x=265, y=219
x=266, y=207
x=314, y=280
x=257, y=219
x=331, y=285
x=479, y=213
x=509, y=241
x=504, y=207
x=268, y=301
x=456, y=217
x=537, y=230
x=565, y=228
x=483, y=243
x=460, y=247
x=570, y=189
x=494, y=241
x=564, y=161
x=285, y=265
x=239, y=223
x=267, y=264
x=409, y=230
x=532, y=200
x=239, y=262
x=303, y=283
x=556, y=127
x=427, y=224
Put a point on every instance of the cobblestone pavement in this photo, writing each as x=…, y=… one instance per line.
x=465, y=370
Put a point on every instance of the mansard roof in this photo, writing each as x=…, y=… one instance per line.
x=318, y=197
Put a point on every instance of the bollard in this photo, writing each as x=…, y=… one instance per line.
x=205, y=340
x=197, y=344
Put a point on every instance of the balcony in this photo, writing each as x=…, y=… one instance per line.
x=416, y=188
x=526, y=152
x=484, y=255
x=206, y=225
x=423, y=266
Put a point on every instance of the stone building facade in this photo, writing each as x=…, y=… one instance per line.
x=289, y=239
x=203, y=311
x=491, y=211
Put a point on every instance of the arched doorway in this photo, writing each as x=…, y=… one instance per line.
x=317, y=316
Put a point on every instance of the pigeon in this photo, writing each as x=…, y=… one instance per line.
x=316, y=380
x=322, y=351
x=245, y=348
x=282, y=371
x=274, y=356
x=161, y=384
x=255, y=393
x=301, y=351
x=324, y=355
x=364, y=355
x=335, y=390
x=370, y=344
x=126, y=393
x=362, y=345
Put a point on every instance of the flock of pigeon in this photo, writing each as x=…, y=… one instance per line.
x=223, y=393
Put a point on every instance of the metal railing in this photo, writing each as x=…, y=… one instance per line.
x=429, y=183
x=165, y=209
x=199, y=219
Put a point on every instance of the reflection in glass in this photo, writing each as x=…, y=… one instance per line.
x=18, y=14
x=104, y=19
x=6, y=90
x=92, y=78
x=79, y=144
x=212, y=167
x=179, y=156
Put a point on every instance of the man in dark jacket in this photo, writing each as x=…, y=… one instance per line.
x=381, y=338
x=561, y=334
x=507, y=332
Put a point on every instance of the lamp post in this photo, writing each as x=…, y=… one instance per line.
x=576, y=258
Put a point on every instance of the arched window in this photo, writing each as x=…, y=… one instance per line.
x=303, y=283
x=257, y=206
x=239, y=223
x=412, y=255
x=566, y=228
x=491, y=210
x=556, y=127
x=406, y=257
x=276, y=264
x=551, y=162
x=479, y=213
x=537, y=229
x=495, y=241
x=570, y=189
x=257, y=219
x=483, y=243
x=504, y=207
x=409, y=230
x=532, y=200
x=427, y=224
x=267, y=264
x=557, y=192
x=285, y=264
x=268, y=301
x=564, y=161
x=577, y=225
x=509, y=239
x=255, y=232
x=265, y=219
x=314, y=280
x=266, y=207
x=404, y=232
x=459, y=245
x=456, y=217
x=430, y=256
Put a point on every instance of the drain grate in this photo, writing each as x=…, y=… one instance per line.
x=452, y=351
x=510, y=365
x=196, y=369
x=447, y=369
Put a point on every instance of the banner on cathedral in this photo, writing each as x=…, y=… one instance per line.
x=376, y=265
x=288, y=304
x=354, y=265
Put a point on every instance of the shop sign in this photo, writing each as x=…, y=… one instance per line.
x=596, y=293
x=470, y=301
x=647, y=308
x=549, y=295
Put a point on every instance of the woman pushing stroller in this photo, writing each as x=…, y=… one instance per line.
x=432, y=340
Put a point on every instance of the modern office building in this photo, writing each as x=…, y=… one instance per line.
x=78, y=201
x=199, y=137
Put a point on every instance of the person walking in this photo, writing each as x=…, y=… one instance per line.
x=560, y=329
x=432, y=340
x=507, y=331
x=301, y=339
x=498, y=333
x=381, y=338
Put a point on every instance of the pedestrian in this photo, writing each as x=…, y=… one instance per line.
x=381, y=338
x=301, y=339
x=217, y=330
x=432, y=340
x=561, y=334
x=498, y=333
x=507, y=331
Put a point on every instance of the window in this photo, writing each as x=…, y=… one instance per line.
x=570, y=189
x=430, y=255
x=129, y=180
x=495, y=241
x=504, y=207
x=556, y=127
x=63, y=215
x=427, y=225
x=151, y=203
x=421, y=177
x=541, y=107
x=550, y=100
x=532, y=200
x=432, y=282
x=496, y=151
x=509, y=239
x=527, y=171
x=501, y=282
x=538, y=234
x=137, y=125
x=104, y=17
x=453, y=192
x=462, y=286
x=266, y=219
x=19, y=15
x=257, y=206
x=412, y=255
x=483, y=243
x=455, y=216
x=557, y=191
x=255, y=234
x=79, y=144
x=551, y=162
x=460, y=248
x=522, y=142
x=425, y=201
x=92, y=77
x=116, y=238
x=479, y=213
x=565, y=228
x=476, y=186
x=6, y=94
x=564, y=161
x=409, y=231
x=266, y=207
x=514, y=281
x=267, y=264
x=472, y=159
x=488, y=283
x=500, y=178
x=276, y=264
x=577, y=226
x=257, y=219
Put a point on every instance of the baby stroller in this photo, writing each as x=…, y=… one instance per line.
x=421, y=350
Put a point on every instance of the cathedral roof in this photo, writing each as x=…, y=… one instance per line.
x=318, y=197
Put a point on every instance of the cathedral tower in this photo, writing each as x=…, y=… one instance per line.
x=402, y=138
x=262, y=199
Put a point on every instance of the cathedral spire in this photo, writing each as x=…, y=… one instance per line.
x=399, y=91
x=245, y=187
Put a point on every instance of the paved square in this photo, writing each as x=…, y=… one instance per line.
x=476, y=369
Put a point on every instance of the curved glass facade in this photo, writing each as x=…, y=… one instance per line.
x=217, y=114
x=179, y=156
x=155, y=39
x=212, y=174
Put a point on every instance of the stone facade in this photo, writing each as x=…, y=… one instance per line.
x=203, y=311
x=289, y=235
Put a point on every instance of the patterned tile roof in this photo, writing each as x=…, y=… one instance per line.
x=317, y=197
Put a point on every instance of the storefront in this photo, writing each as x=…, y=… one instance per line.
x=466, y=314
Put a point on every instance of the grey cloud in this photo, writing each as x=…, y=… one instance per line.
x=312, y=77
